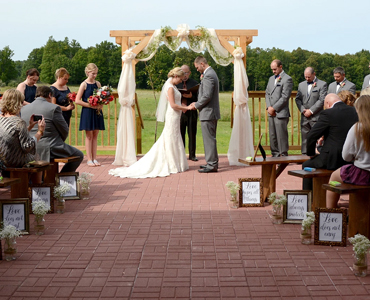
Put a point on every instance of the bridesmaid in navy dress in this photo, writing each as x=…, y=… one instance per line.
x=28, y=87
x=60, y=92
x=90, y=121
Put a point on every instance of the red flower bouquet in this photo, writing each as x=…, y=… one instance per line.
x=72, y=97
x=101, y=96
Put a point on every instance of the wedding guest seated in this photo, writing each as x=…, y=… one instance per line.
x=52, y=143
x=356, y=149
x=347, y=97
x=17, y=147
x=334, y=123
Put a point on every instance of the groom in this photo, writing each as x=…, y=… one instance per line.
x=209, y=112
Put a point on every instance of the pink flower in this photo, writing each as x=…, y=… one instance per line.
x=342, y=84
x=314, y=84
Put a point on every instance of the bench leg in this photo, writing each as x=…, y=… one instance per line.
x=318, y=193
x=19, y=190
x=359, y=213
x=268, y=180
x=51, y=173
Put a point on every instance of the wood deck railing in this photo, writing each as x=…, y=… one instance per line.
x=257, y=106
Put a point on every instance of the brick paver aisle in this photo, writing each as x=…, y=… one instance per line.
x=174, y=238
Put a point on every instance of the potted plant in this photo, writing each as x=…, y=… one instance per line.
x=40, y=209
x=233, y=189
x=306, y=228
x=9, y=233
x=59, y=192
x=277, y=202
x=361, y=245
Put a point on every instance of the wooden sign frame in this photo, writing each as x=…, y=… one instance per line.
x=242, y=192
x=74, y=194
x=320, y=226
x=17, y=201
x=49, y=186
x=307, y=205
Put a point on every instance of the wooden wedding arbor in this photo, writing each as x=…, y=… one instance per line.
x=141, y=38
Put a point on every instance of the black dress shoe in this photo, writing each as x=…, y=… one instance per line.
x=194, y=159
x=203, y=166
x=207, y=170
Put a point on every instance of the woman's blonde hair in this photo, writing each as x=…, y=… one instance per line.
x=61, y=73
x=176, y=72
x=90, y=67
x=11, y=102
x=347, y=97
x=362, y=131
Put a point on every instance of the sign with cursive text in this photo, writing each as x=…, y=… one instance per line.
x=330, y=226
x=71, y=180
x=44, y=192
x=15, y=212
x=298, y=203
x=250, y=193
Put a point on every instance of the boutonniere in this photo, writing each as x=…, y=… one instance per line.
x=201, y=77
x=314, y=84
x=278, y=79
x=342, y=84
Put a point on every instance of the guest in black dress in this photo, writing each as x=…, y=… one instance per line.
x=60, y=92
x=28, y=87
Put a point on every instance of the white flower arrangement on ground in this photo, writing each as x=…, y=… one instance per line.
x=40, y=208
x=233, y=188
x=308, y=220
x=9, y=232
x=361, y=245
x=85, y=179
x=61, y=190
x=276, y=199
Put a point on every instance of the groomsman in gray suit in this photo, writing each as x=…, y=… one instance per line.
x=209, y=112
x=341, y=83
x=366, y=81
x=278, y=92
x=310, y=102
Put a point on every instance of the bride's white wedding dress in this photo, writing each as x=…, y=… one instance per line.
x=167, y=155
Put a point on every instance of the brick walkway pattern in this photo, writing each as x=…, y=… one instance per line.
x=174, y=238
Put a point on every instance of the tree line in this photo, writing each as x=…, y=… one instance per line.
x=153, y=73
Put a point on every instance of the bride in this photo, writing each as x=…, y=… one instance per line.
x=167, y=155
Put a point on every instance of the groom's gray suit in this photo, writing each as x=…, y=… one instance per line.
x=277, y=96
x=313, y=101
x=209, y=112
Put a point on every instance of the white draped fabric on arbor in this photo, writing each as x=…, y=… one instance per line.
x=241, y=142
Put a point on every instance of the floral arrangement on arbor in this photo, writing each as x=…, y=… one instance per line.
x=308, y=220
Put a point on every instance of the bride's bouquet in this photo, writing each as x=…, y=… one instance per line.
x=101, y=96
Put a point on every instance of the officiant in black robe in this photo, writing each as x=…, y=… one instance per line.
x=190, y=118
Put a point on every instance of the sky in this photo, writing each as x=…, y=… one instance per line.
x=322, y=26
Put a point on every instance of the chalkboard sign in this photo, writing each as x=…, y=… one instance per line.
x=330, y=226
x=250, y=193
x=298, y=203
x=16, y=212
x=42, y=192
x=71, y=180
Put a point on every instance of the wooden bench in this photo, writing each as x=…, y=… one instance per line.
x=269, y=170
x=359, y=207
x=20, y=188
x=54, y=170
x=319, y=177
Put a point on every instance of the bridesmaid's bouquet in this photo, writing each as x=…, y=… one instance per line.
x=72, y=97
x=101, y=96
